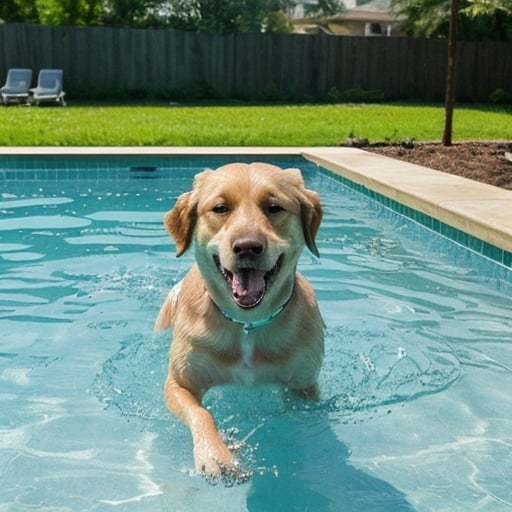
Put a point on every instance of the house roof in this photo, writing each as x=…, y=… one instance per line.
x=375, y=11
x=363, y=15
x=375, y=5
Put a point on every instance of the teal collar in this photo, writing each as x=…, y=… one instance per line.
x=249, y=326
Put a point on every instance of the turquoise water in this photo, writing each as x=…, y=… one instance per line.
x=416, y=410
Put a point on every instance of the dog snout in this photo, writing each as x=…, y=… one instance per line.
x=248, y=247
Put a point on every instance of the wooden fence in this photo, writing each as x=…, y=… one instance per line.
x=252, y=65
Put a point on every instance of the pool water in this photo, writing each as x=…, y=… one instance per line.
x=416, y=409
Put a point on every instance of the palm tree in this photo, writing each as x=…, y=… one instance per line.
x=427, y=18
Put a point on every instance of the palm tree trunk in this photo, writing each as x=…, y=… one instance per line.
x=449, y=100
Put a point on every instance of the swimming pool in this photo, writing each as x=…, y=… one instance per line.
x=415, y=411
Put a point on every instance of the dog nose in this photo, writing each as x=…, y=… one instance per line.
x=248, y=247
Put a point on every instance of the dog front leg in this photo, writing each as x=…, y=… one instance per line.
x=212, y=457
x=310, y=393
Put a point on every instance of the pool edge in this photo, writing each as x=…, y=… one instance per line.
x=475, y=208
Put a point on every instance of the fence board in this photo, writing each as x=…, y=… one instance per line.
x=253, y=65
x=466, y=72
x=342, y=64
x=281, y=73
x=405, y=69
x=496, y=64
x=174, y=45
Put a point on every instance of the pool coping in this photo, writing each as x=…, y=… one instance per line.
x=480, y=210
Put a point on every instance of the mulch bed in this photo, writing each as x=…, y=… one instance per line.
x=488, y=162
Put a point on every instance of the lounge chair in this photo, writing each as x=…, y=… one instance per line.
x=16, y=86
x=49, y=87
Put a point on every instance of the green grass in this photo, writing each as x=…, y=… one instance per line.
x=244, y=125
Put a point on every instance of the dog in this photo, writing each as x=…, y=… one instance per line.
x=242, y=314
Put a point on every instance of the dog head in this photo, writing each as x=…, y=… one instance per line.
x=249, y=224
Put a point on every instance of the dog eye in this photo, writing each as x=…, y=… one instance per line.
x=220, y=208
x=274, y=208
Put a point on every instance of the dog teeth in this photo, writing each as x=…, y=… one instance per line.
x=228, y=276
x=272, y=273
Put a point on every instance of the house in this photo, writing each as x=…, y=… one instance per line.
x=375, y=19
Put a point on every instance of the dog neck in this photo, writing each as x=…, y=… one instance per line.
x=249, y=326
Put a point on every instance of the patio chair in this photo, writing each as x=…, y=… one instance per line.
x=17, y=85
x=49, y=87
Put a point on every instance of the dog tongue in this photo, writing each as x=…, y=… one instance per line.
x=248, y=287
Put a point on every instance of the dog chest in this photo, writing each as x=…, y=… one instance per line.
x=252, y=367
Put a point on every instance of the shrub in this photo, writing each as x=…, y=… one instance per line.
x=500, y=96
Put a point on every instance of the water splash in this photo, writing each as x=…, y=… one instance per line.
x=367, y=369
x=364, y=373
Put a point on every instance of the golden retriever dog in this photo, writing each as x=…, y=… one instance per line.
x=242, y=314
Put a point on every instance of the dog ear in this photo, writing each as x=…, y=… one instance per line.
x=311, y=215
x=180, y=222
x=311, y=209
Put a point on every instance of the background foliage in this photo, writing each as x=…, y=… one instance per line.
x=478, y=19
x=218, y=16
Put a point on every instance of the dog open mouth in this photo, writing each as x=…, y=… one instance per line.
x=249, y=285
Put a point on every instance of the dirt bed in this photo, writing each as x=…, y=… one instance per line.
x=487, y=162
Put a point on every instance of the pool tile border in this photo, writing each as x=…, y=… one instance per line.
x=447, y=204
x=470, y=213
x=474, y=244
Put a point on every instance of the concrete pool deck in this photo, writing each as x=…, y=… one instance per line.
x=480, y=210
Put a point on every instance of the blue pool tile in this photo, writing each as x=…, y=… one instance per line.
x=507, y=259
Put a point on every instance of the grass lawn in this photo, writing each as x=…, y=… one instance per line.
x=242, y=124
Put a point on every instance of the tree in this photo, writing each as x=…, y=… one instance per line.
x=9, y=11
x=324, y=7
x=277, y=21
x=477, y=19
x=134, y=13
x=216, y=16
x=227, y=16
x=429, y=17
x=489, y=19
x=487, y=7
x=19, y=11
x=449, y=100
x=52, y=12
x=475, y=8
x=69, y=12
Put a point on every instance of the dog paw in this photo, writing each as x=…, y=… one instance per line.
x=219, y=465
x=229, y=475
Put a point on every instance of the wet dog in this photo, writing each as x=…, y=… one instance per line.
x=242, y=314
